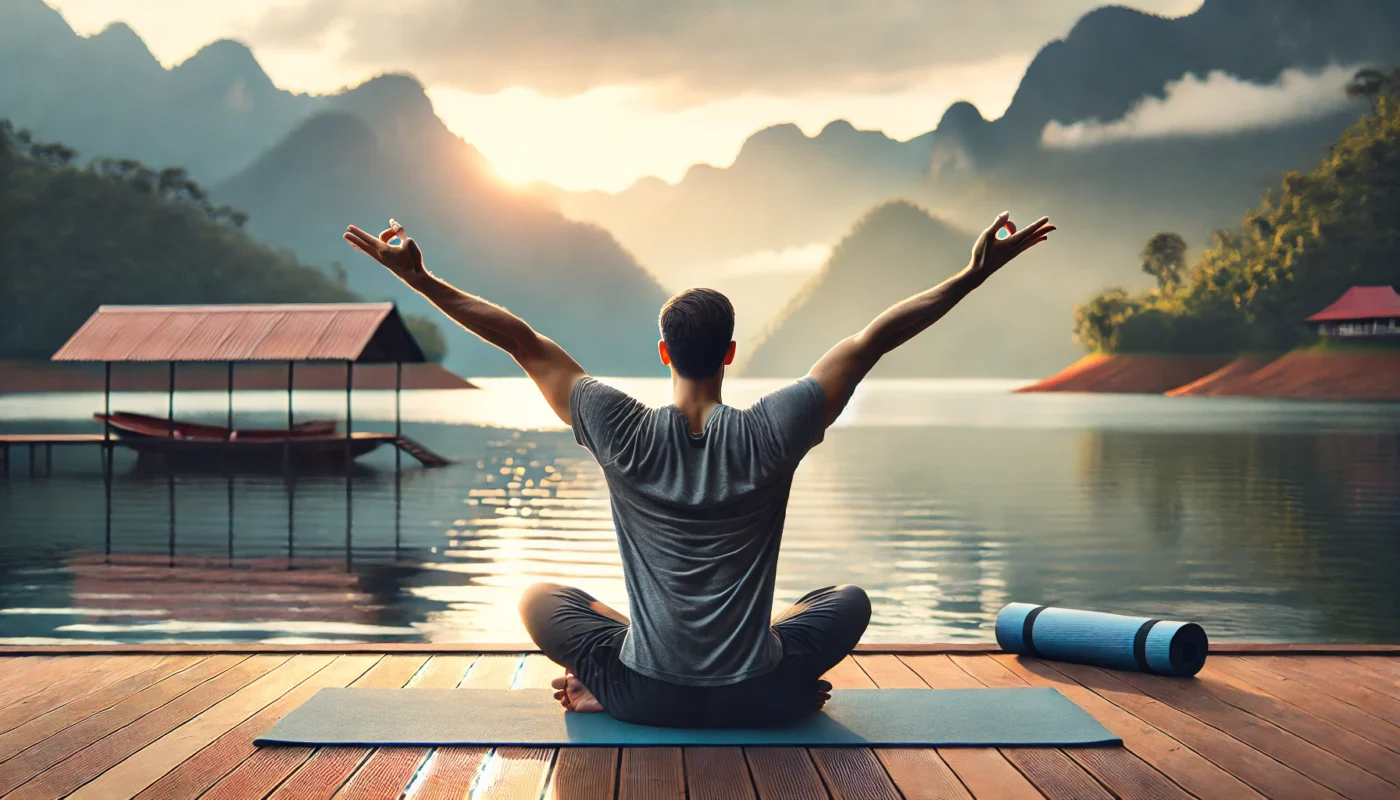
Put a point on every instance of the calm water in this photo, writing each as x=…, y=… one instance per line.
x=946, y=500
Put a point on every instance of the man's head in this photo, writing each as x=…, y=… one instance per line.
x=697, y=333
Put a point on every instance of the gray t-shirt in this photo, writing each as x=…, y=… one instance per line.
x=699, y=521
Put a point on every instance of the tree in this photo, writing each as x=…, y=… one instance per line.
x=429, y=336
x=1164, y=258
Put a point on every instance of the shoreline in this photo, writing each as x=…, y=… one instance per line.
x=1359, y=375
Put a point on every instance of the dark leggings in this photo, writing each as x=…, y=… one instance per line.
x=585, y=636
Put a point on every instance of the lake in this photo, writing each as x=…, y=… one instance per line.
x=1262, y=520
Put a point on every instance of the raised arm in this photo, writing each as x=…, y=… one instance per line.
x=846, y=365
x=552, y=369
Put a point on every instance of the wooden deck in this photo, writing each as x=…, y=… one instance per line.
x=174, y=724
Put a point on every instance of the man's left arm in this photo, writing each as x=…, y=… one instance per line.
x=552, y=369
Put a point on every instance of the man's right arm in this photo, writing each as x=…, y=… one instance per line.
x=846, y=365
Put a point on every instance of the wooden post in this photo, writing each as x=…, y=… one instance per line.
x=107, y=459
x=398, y=456
x=287, y=441
x=170, y=462
x=349, y=480
x=228, y=469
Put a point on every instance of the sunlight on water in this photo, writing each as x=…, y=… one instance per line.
x=946, y=500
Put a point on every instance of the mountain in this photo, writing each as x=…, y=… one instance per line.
x=303, y=167
x=788, y=190
x=380, y=152
x=895, y=251
x=106, y=95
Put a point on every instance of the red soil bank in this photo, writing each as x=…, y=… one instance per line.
x=1325, y=375
x=1225, y=381
x=43, y=376
x=1129, y=374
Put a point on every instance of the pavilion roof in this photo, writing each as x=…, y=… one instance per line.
x=1361, y=302
x=365, y=332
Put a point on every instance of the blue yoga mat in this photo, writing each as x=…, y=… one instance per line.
x=1106, y=640
x=532, y=717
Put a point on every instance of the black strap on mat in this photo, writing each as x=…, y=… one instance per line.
x=1140, y=645
x=1027, y=632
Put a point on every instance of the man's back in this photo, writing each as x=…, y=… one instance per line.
x=699, y=522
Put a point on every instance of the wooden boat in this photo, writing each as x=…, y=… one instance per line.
x=199, y=445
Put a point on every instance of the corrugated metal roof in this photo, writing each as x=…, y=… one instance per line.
x=1362, y=302
x=316, y=332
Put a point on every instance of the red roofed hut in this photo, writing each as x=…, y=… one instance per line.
x=1364, y=311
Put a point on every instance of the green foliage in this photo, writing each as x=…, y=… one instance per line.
x=1307, y=243
x=1164, y=258
x=429, y=336
x=118, y=232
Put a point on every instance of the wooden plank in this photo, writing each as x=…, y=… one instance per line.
x=784, y=773
x=1055, y=773
x=1381, y=665
x=83, y=765
x=443, y=672
x=920, y=773
x=449, y=773
x=582, y=773
x=515, y=773
x=1182, y=765
x=211, y=764
x=1334, y=685
x=385, y=773
x=651, y=773
x=112, y=670
x=536, y=673
x=1355, y=673
x=328, y=769
x=1117, y=768
x=853, y=773
x=76, y=729
x=1260, y=771
x=983, y=771
x=717, y=773
x=46, y=725
x=40, y=674
x=448, y=769
x=1335, y=739
x=848, y=675
x=272, y=768
x=1188, y=695
x=141, y=769
x=1323, y=705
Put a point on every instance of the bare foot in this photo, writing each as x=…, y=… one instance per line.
x=823, y=693
x=574, y=696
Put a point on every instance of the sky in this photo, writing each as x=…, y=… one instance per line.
x=594, y=94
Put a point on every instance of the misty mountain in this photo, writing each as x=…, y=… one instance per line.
x=788, y=190
x=304, y=166
x=382, y=153
x=895, y=251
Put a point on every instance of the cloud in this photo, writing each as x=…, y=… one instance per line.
x=1218, y=104
x=805, y=259
x=697, y=48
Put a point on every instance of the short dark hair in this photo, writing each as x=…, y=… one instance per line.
x=697, y=326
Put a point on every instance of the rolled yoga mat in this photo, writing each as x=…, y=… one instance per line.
x=532, y=717
x=1176, y=649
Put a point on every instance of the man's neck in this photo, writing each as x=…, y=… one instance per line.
x=696, y=398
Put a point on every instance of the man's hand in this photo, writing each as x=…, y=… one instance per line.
x=404, y=260
x=990, y=254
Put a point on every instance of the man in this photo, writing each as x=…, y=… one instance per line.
x=699, y=493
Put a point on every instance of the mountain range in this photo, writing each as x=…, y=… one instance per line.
x=303, y=166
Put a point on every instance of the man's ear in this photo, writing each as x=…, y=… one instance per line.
x=729, y=354
x=663, y=352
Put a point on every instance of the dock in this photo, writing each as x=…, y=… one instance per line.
x=178, y=721
x=34, y=443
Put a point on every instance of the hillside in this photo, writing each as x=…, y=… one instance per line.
x=72, y=239
x=570, y=281
x=895, y=251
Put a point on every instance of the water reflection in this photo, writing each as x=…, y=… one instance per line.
x=1263, y=521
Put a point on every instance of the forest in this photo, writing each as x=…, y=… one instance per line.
x=1308, y=241
x=115, y=231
